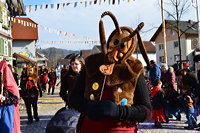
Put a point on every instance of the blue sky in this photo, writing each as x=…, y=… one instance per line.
x=83, y=21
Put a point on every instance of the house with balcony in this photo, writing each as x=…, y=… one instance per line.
x=188, y=42
x=8, y=10
x=25, y=36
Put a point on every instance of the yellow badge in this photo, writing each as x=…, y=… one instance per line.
x=95, y=86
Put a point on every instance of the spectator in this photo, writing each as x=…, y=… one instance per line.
x=52, y=81
x=43, y=78
x=187, y=103
x=155, y=72
x=69, y=79
x=157, y=101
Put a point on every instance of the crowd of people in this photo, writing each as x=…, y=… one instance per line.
x=172, y=93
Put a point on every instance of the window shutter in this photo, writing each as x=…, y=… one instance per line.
x=9, y=49
x=1, y=46
x=9, y=20
x=1, y=17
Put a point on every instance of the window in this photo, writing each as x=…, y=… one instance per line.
x=172, y=32
x=161, y=59
x=175, y=44
x=5, y=48
x=160, y=46
x=176, y=58
x=5, y=17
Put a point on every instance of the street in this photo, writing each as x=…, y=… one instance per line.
x=49, y=104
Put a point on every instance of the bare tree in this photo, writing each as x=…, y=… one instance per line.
x=175, y=9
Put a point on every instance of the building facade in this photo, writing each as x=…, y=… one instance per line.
x=7, y=12
x=188, y=42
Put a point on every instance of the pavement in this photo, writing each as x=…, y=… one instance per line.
x=48, y=105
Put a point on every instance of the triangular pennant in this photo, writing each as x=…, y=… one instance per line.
x=35, y=7
x=30, y=8
x=95, y=2
x=75, y=4
x=113, y=2
x=100, y=2
x=52, y=5
x=63, y=5
x=58, y=6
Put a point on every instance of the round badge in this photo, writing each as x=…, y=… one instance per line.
x=95, y=86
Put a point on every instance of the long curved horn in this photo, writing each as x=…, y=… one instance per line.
x=102, y=37
x=113, y=18
x=139, y=27
x=143, y=50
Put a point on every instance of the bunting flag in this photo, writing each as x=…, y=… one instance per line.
x=69, y=42
x=75, y=4
x=50, y=30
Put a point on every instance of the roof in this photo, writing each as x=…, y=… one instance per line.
x=188, y=27
x=19, y=31
x=24, y=58
x=85, y=53
x=150, y=48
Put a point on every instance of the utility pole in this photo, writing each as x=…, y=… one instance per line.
x=163, y=31
x=197, y=10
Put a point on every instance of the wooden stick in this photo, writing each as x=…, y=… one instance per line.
x=104, y=81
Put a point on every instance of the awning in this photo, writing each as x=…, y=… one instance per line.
x=24, y=58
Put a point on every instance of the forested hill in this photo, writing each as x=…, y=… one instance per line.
x=56, y=52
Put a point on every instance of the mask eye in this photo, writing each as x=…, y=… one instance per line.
x=116, y=42
x=123, y=45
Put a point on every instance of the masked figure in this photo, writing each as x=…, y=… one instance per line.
x=111, y=92
x=30, y=93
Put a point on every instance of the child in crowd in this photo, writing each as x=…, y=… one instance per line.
x=157, y=100
x=187, y=102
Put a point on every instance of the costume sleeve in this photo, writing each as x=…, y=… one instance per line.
x=64, y=88
x=77, y=100
x=141, y=109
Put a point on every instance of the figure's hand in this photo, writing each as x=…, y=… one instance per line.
x=98, y=110
x=2, y=98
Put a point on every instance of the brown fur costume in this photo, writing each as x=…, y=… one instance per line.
x=123, y=77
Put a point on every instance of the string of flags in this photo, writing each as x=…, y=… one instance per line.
x=68, y=42
x=50, y=30
x=74, y=4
